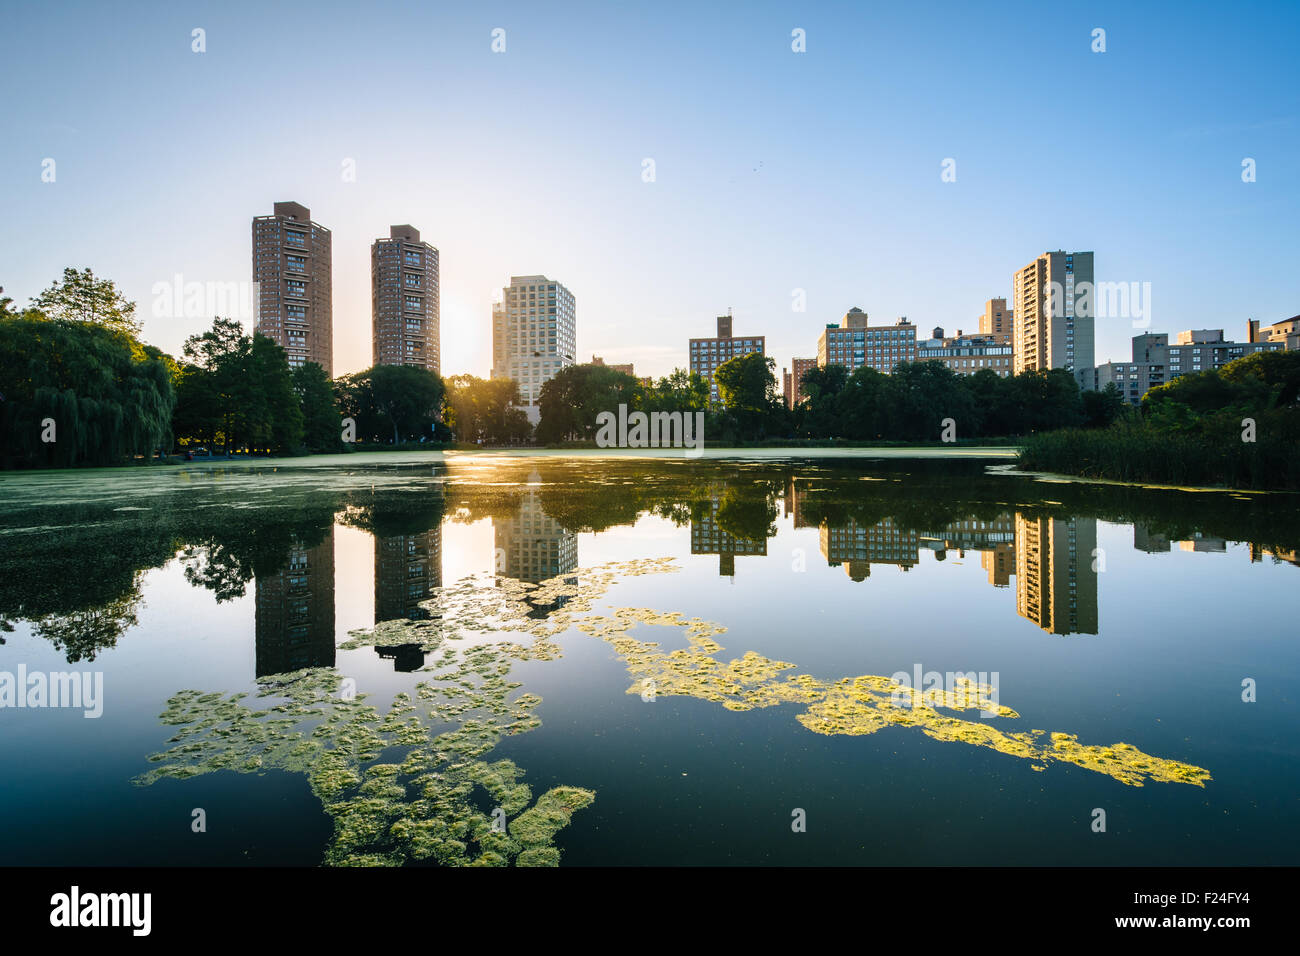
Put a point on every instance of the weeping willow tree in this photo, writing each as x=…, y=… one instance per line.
x=79, y=393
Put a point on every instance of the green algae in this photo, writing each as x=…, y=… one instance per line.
x=428, y=804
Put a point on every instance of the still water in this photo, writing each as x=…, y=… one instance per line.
x=590, y=660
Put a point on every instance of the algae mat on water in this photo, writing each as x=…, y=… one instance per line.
x=428, y=806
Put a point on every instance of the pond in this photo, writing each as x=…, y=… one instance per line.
x=803, y=659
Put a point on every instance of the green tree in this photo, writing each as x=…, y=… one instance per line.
x=398, y=401
x=1101, y=408
x=322, y=426
x=679, y=391
x=747, y=382
x=571, y=401
x=80, y=297
x=79, y=393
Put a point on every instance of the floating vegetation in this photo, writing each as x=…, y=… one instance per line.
x=428, y=807
x=429, y=804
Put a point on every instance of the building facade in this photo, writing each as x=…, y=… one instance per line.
x=294, y=302
x=997, y=320
x=707, y=354
x=1287, y=332
x=853, y=343
x=967, y=354
x=792, y=379
x=626, y=369
x=1054, y=313
x=1156, y=360
x=404, y=300
x=534, y=333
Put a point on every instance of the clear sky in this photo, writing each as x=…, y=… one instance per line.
x=774, y=170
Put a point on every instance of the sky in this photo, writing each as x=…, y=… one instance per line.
x=780, y=178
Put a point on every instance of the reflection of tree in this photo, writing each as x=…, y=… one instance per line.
x=249, y=545
x=82, y=634
x=743, y=514
x=234, y=524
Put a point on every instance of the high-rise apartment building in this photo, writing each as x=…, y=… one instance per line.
x=291, y=266
x=792, y=380
x=404, y=300
x=853, y=343
x=707, y=354
x=1054, y=309
x=533, y=333
x=996, y=320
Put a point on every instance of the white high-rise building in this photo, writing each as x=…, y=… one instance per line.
x=533, y=333
x=1053, y=315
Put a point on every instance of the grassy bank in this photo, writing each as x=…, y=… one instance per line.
x=1142, y=453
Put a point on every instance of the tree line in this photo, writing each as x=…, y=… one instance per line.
x=911, y=404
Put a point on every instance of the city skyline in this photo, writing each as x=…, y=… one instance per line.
x=786, y=178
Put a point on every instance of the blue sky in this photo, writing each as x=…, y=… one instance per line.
x=775, y=170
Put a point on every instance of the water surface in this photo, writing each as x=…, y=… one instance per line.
x=646, y=661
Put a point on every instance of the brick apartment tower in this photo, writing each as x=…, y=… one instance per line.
x=404, y=300
x=291, y=266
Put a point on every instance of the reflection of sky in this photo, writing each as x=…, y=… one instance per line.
x=1177, y=633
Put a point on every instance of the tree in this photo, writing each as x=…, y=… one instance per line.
x=80, y=297
x=485, y=410
x=747, y=382
x=920, y=396
x=819, y=414
x=570, y=401
x=79, y=393
x=404, y=401
x=679, y=391
x=1101, y=408
x=237, y=390
x=322, y=426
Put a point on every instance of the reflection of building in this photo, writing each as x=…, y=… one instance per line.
x=1258, y=551
x=1145, y=540
x=792, y=503
x=407, y=567
x=295, y=611
x=857, y=546
x=1056, y=580
x=1000, y=563
x=708, y=537
x=532, y=546
x=1206, y=543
